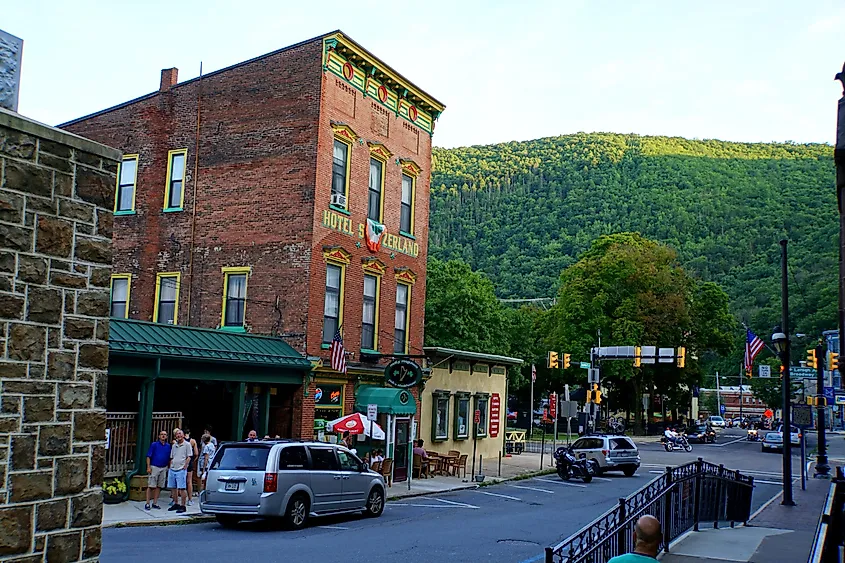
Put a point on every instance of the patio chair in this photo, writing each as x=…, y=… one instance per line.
x=461, y=463
x=417, y=469
x=376, y=466
x=386, y=467
x=455, y=453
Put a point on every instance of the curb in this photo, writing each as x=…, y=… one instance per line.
x=194, y=519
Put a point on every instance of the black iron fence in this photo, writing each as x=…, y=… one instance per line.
x=829, y=534
x=681, y=498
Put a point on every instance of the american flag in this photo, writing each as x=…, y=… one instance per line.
x=753, y=345
x=338, y=353
x=533, y=373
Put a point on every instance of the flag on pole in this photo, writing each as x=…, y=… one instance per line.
x=753, y=346
x=533, y=374
x=337, y=352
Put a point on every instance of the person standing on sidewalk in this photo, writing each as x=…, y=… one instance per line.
x=206, y=455
x=647, y=538
x=158, y=459
x=180, y=454
x=191, y=465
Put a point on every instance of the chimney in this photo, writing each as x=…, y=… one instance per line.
x=169, y=77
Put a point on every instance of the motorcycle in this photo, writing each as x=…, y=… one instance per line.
x=752, y=435
x=568, y=466
x=679, y=443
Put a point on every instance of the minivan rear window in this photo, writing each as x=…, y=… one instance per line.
x=621, y=444
x=241, y=457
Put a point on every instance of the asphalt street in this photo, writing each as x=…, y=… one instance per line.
x=510, y=522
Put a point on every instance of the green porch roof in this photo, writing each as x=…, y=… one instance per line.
x=139, y=338
x=388, y=399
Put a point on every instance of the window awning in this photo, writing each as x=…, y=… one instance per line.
x=389, y=400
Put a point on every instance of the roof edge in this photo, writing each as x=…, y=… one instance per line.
x=467, y=355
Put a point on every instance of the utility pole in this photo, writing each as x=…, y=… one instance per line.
x=718, y=399
x=787, y=388
x=839, y=163
x=822, y=468
x=741, y=369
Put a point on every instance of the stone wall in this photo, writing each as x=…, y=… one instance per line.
x=56, y=201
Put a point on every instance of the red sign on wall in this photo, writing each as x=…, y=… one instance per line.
x=495, y=405
x=553, y=406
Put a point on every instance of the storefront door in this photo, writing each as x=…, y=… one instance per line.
x=400, y=457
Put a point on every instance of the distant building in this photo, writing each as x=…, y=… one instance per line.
x=729, y=395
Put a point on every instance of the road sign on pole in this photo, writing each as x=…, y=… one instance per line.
x=585, y=365
x=593, y=375
x=722, y=409
x=764, y=370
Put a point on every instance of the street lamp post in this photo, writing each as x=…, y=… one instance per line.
x=822, y=468
x=781, y=341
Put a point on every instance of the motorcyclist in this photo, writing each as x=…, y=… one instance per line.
x=671, y=435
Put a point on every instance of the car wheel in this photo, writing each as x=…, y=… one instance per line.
x=227, y=520
x=375, y=503
x=629, y=471
x=296, y=513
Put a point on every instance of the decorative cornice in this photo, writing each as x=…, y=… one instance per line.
x=373, y=265
x=379, y=151
x=410, y=167
x=344, y=131
x=405, y=275
x=336, y=254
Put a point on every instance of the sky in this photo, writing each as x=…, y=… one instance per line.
x=750, y=71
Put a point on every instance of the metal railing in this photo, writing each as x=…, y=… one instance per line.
x=122, y=430
x=681, y=498
x=827, y=547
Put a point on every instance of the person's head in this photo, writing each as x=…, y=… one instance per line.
x=179, y=435
x=421, y=443
x=162, y=436
x=207, y=429
x=253, y=435
x=647, y=535
x=206, y=438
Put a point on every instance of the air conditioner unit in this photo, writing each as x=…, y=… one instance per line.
x=339, y=200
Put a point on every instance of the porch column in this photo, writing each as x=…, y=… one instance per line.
x=264, y=412
x=144, y=423
x=238, y=410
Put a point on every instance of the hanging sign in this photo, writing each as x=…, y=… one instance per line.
x=553, y=405
x=403, y=373
x=495, y=405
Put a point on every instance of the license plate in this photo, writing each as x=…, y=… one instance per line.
x=231, y=486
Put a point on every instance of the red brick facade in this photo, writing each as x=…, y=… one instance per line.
x=256, y=197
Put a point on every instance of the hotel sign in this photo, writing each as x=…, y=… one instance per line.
x=342, y=224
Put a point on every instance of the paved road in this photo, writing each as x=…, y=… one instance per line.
x=510, y=522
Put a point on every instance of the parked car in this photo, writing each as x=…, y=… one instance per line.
x=612, y=452
x=772, y=441
x=291, y=480
x=701, y=433
x=716, y=421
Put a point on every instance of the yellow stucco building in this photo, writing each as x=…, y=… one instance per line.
x=465, y=386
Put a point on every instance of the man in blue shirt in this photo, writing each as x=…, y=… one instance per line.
x=158, y=460
x=647, y=538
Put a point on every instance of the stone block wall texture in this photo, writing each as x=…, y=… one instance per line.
x=56, y=201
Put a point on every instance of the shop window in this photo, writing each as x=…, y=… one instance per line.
x=481, y=404
x=340, y=174
x=333, y=306
x=120, y=288
x=369, y=319
x=462, y=416
x=400, y=334
x=328, y=401
x=166, y=308
x=376, y=187
x=174, y=189
x=234, y=298
x=406, y=217
x=293, y=458
x=440, y=416
x=127, y=176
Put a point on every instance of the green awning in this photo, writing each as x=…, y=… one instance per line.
x=140, y=338
x=388, y=399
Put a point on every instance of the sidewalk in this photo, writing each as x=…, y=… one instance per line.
x=132, y=513
x=775, y=533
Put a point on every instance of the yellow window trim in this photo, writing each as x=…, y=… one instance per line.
x=159, y=276
x=383, y=160
x=346, y=135
x=228, y=271
x=413, y=201
x=376, y=313
x=341, y=293
x=136, y=158
x=407, y=314
x=337, y=255
x=128, y=278
x=373, y=266
x=170, y=156
x=406, y=276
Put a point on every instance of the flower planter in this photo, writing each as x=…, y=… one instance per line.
x=112, y=499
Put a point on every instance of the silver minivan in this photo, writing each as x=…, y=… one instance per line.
x=613, y=452
x=289, y=479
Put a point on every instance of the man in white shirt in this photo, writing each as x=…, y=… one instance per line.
x=670, y=434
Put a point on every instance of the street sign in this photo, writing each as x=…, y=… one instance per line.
x=666, y=355
x=372, y=411
x=802, y=415
x=799, y=372
x=647, y=354
x=495, y=405
x=569, y=409
x=593, y=375
x=764, y=370
x=553, y=405
x=585, y=365
x=477, y=416
x=722, y=409
x=829, y=394
x=840, y=399
x=614, y=352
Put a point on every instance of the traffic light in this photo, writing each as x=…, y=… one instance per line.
x=682, y=356
x=832, y=361
x=781, y=372
x=589, y=396
x=566, y=361
x=811, y=400
x=638, y=360
x=596, y=394
x=812, y=361
x=552, y=360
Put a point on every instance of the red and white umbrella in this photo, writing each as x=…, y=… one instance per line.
x=356, y=423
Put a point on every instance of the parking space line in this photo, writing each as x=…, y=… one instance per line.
x=728, y=443
x=602, y=479
x=417, y=505
x=455, y=503
x=562, y=483
x=532, y=489
x=333, y=527
x=498, y=495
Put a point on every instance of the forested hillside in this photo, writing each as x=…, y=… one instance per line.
x=523, y=211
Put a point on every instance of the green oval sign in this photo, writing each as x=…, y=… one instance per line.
x=403, y=373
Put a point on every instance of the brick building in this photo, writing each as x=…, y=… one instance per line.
x=247, y=198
